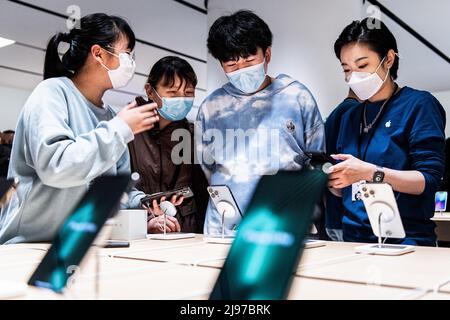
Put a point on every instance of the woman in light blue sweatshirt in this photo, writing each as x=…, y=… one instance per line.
x=66, y=137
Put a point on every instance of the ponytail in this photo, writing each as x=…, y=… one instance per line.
x=53, y=66
x=96, y=29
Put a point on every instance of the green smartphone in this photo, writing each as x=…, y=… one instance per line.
x=271, y=237
x=78, y=232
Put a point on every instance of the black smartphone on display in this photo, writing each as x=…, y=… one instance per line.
x=320, y=158
x=186, y=193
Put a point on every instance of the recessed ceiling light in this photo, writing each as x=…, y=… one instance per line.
x=6, y=42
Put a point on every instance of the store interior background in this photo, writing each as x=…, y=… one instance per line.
x=304, y=34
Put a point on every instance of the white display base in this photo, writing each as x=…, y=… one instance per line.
x=219, y=239
x=309, y=244
x=441, y=216
x=385, y=249
x=10, y=290
x=171, y=236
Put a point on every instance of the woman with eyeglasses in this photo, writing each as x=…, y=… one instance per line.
x=66, y=136
x=395, y=136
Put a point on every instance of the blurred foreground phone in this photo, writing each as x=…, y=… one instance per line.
x=440, y=201
x=271, y=237
x=78, y=232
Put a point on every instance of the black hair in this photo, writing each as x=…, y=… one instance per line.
x=9, y=132
x=166, y=70
x=99, y=28
x=238, y=35
x=373, y=33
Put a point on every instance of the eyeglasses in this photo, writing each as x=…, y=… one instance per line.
x=132, y=54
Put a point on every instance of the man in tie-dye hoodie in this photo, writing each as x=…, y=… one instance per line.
x=255, y=124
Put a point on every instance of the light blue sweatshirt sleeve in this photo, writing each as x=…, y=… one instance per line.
x=60, y=158
x=134, y=196
x=204, y=152
x=314, y=134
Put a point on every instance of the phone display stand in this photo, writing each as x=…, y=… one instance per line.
x=385, y=249
x=171, y=236
x=95, y=253
x=169, y=210
x=219, y=240
x=381, y=207
x=226, y=210
x=71, y=291
x=14, y=290
x=310, y=244
x=441, y=213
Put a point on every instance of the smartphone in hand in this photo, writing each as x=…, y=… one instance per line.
x=186, y=193
x=141, y=101
x=320, y=158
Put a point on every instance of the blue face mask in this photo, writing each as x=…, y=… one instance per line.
x=250, y=79
x=175, y=109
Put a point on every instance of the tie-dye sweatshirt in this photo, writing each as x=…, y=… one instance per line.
x=241, y=137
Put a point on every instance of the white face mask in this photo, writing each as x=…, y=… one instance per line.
x=121, y=76
x=365, y=84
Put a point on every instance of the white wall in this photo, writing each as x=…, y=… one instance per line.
x=11, y=103
x=304, y=35
x=165, y=23
x=444, y=99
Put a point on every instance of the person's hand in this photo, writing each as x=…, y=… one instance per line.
x=349, y=171
x=156, y=209
x=156, y=225
x=140, y=119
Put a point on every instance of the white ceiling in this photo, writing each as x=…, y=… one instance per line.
x=165, y=23
x=170, y=24
x=419, y=66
